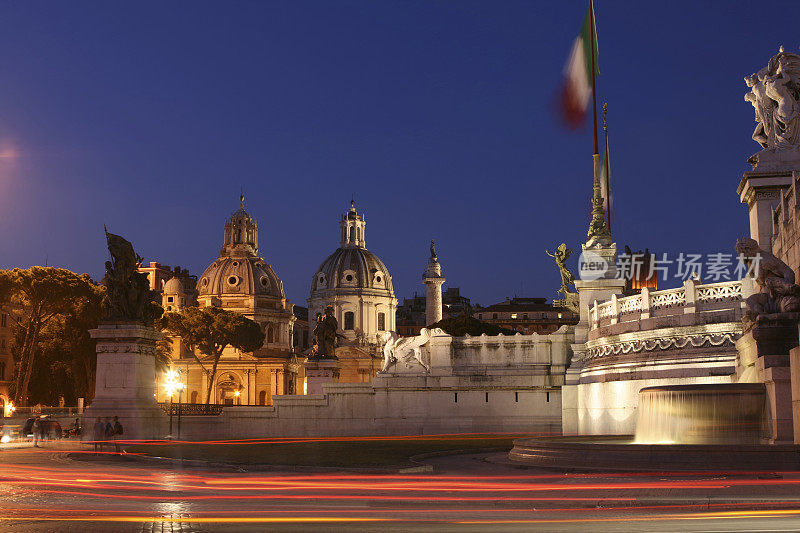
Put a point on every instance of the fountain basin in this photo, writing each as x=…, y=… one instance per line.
x=723, y=413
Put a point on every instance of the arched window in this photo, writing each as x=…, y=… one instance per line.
x=270, y=334
x=381, y=322
x=194, y=397
x=351, y=233
x=262, y=398
x=349, y=320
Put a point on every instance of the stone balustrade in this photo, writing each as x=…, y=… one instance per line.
x=692, y=297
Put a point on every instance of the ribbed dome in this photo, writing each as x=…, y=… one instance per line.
x=173, y=286
x=240, y=276
x=352, y=268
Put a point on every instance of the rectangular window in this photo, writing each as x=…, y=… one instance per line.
x=3, y=320
x=548, y=396
x=516, y=397
x=494, y=315
x=487, y=397
x=455, y=397
x=349, y=320
x=381, y=322
x=525, y=316
x=3, y=344
x=170, y=299
x=2, y=370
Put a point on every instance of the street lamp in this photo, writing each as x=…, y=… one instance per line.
x=172, y=384
x=236, y=393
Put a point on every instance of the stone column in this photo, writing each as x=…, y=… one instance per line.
x=433, y=280
x=126, y=381
x=763, y=357
x=319, y=372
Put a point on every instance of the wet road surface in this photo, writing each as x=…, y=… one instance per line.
x=51, y=490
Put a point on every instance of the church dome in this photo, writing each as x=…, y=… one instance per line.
x=173, y=286
x=240, y=275
x=239, y=270
x=355, y=268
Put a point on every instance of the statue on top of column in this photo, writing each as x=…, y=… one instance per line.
x=774, y=95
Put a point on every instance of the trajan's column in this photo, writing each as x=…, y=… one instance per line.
x=433, y=280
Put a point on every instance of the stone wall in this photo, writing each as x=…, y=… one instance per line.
x=475, y=384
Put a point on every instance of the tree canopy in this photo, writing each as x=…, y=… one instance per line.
x=209, y=330
x=50, y=309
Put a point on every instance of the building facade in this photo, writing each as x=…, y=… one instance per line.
x=239, y=281
x=358, y=286
x=527, y=315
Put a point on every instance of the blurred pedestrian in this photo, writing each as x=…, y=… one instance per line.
x=118, y=430
x=99, y=435
x=36, y=429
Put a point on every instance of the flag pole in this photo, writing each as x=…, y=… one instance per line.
x=608, y=165
x=592, y=39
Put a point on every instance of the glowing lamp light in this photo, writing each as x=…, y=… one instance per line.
x=9, y=410
x=236, y=393
x=5, y=438
x=172, y=384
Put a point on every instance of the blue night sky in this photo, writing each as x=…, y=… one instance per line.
x=150, y=116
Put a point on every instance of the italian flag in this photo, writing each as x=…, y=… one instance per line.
x=577, y=84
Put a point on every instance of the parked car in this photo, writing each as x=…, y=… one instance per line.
x=51, y=429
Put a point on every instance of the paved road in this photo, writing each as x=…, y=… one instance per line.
x=49, y=490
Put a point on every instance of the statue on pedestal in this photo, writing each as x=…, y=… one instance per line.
x=128, y=297
x=561, y=255
x=778, y=293
x=775, y=94
x=325, y=336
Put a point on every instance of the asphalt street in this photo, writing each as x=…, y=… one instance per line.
x=64, y=487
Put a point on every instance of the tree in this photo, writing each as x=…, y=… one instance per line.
x=35, y=298
x=209, y=330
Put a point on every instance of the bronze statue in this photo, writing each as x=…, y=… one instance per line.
x=325, y=335
x=433, y=250
x=128, y=296
x=567, y=278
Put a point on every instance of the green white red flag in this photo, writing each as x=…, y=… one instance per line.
x=577, y=84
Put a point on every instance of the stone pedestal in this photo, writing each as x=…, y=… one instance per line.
x=761, y=190
x=319, y=372
x=126, y=381
x=763, y=357
x=794, y=370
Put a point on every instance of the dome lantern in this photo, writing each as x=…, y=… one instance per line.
x=353, y=227
x=241, y=233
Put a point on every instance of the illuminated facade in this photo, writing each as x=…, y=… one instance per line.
x=240, y=281
x=358, y=286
